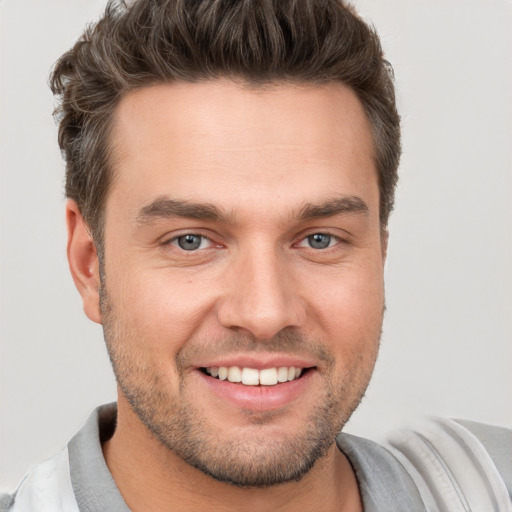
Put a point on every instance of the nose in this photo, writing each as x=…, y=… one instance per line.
x=262, y=295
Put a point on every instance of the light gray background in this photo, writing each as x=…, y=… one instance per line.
x=447, y=336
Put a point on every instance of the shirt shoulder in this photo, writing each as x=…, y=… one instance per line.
x=76, y=479
x=6, y=502
x=439, y=464
x=457, y=464
x=384, y=483
x=497, y=442
x=45, y=488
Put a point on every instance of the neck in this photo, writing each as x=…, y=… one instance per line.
x=151, y=477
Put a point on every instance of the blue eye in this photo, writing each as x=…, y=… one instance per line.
x=320, y=240
x=190, y=242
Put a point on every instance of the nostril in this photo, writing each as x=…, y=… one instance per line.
x=262, y=303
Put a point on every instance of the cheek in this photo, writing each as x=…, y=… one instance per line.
x=163, y=308
x=349, y=302
x=348, y=315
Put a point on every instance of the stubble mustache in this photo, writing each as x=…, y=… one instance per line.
x=288, y=341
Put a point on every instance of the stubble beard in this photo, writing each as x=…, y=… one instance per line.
x=259, y=460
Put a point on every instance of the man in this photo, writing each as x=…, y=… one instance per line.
x=230, y=174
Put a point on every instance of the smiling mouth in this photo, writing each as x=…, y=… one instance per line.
x=254, y=377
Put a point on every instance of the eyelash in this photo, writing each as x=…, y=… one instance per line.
x=332, y=238
x=175, y=241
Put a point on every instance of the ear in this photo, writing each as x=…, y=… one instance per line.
x=384, y=238
x=83, y=261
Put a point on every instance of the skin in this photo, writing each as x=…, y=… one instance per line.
x=276, y=165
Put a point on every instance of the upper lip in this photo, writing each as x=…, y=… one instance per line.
x=258, y=362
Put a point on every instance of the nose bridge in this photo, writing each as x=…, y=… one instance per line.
x=262, y=296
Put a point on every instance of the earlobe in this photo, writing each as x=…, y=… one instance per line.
x=83, y=261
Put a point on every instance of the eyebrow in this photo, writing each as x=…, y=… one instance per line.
x=165, y=208
x=338, y=206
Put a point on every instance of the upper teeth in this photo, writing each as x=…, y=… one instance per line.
x=253, y=377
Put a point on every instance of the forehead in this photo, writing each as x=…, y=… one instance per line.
x=228, y=142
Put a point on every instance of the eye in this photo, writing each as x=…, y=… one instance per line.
x=319, y=241
x=191, y=242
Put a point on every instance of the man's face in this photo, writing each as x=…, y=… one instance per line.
x=242, y=240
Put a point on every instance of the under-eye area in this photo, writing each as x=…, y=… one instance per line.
x=254, y=377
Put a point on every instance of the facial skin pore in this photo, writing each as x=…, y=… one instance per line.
x=241, y=229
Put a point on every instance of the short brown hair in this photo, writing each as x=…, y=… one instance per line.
x=255, y=41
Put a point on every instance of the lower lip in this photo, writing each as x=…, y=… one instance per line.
x=259, y=398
